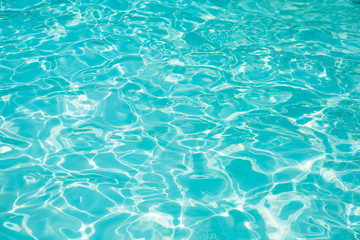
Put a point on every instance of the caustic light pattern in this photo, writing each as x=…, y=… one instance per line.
x=204, y=119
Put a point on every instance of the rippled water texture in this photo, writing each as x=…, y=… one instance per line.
x=179, y=119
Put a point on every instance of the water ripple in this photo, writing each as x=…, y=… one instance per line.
x=179, y=119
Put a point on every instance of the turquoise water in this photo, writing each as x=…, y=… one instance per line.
x=179, y=119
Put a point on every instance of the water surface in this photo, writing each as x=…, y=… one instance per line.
x=179, y=119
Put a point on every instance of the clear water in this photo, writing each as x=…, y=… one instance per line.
x=179, y=119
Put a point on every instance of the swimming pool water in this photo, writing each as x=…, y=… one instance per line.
x=205, y=119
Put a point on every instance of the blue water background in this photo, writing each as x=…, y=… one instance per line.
x=179, y=119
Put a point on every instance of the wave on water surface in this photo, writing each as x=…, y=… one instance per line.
x=203, y=119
